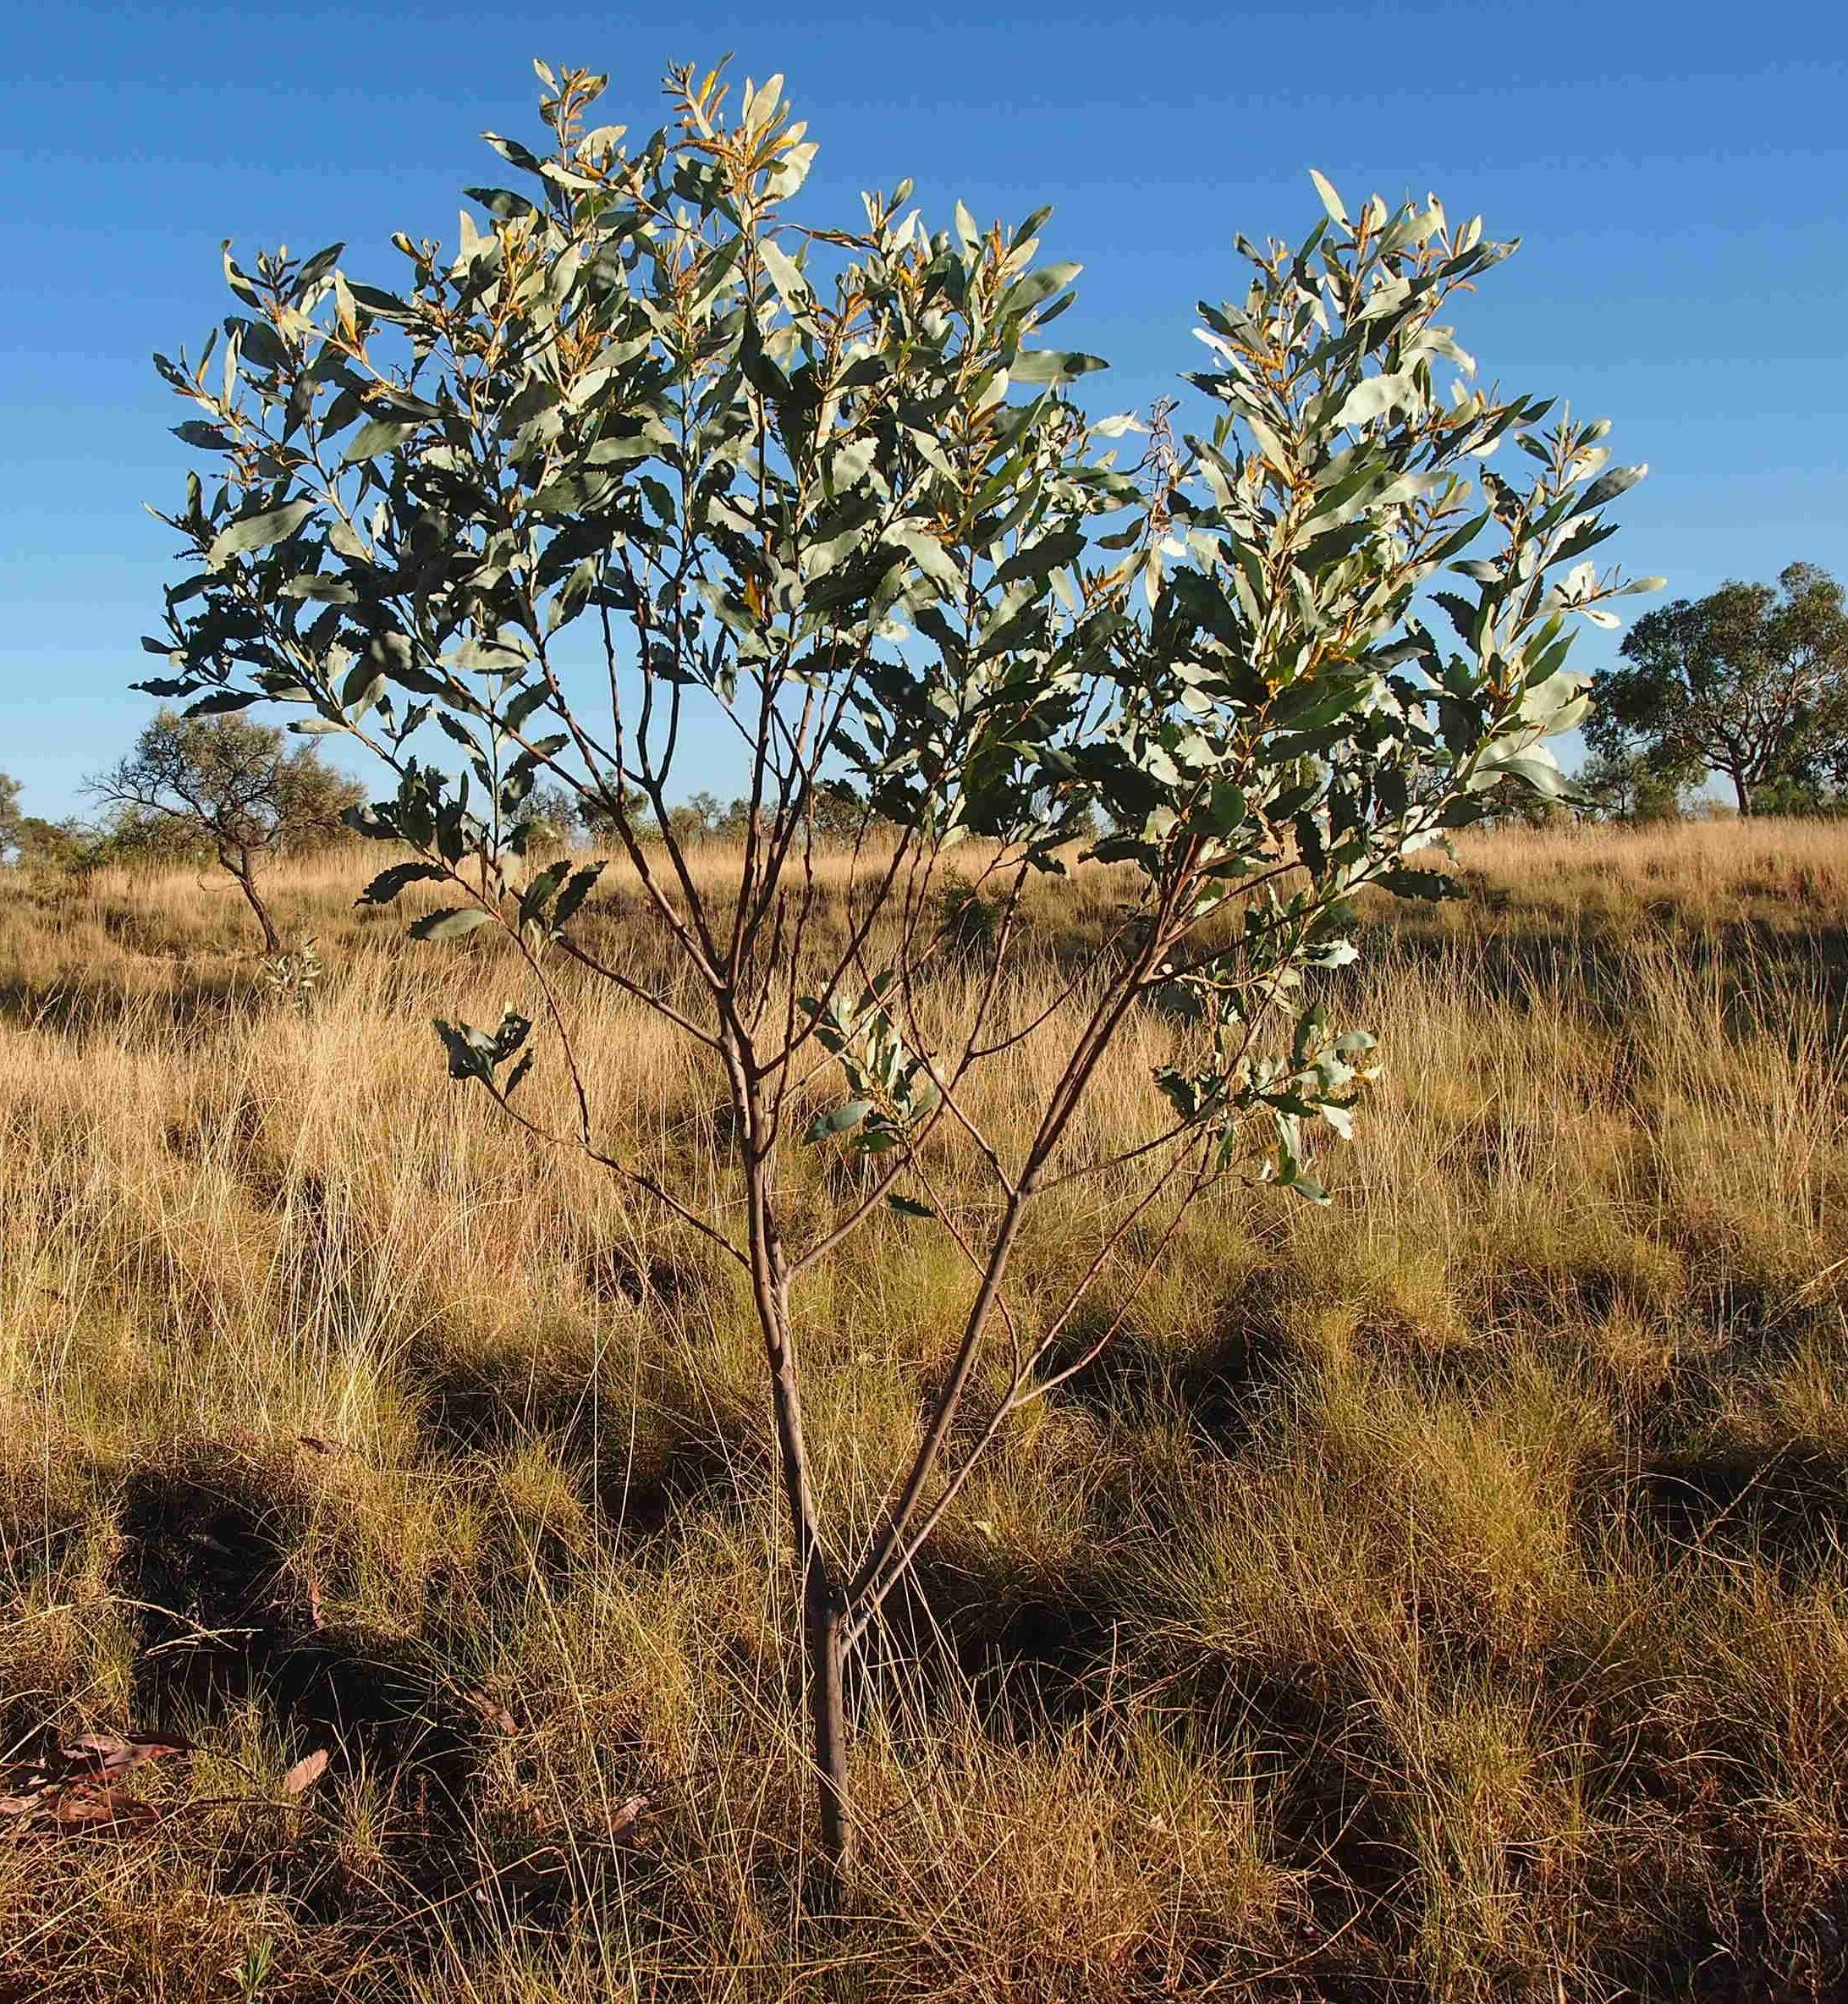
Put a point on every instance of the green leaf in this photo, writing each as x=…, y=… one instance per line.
x=1372, y=397
x=1041, y=285
x=1535, y=770
x=208, y=438
x=791, y=286
x=375, y=436
x=839, y=1121
x=908, y=1206
x=1050, y=364
x=850, y=464
x=537, y=894
x=513, y=1031
x=450, y=924
x=510, y=150
x=1330, y=201
x=1433, y=886
x=324, y=591
x=1608, y=487
x=387, y=883
x=247, y=532
x=1039, y=559
x=575, y=892
x=467, y=1049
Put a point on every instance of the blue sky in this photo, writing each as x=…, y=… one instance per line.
x=1679, y=174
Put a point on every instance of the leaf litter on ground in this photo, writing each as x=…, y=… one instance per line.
x=77, y=1787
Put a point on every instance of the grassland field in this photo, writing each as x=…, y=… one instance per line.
x=1440, y=1595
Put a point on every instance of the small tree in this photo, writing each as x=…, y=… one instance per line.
x=830, y=483
x=11, y=819
x=234, y=788
x=1620, y=789
x=1751, y=681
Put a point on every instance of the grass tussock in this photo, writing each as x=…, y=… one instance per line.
x=1441, y=1595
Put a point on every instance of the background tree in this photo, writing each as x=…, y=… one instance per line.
x=826, y=484
x=232, y=787
x=34, y=842
x=840, y=814
x=555, y=816
x=1616, y=788
x=599, y=823
x=66, y=846
x=1751, y=681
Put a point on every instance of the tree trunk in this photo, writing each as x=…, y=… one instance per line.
x=824, y=1652
x=1742, y=789
x=823, y=1611
x=245, y=872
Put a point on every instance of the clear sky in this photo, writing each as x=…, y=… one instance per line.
x=1679, y=173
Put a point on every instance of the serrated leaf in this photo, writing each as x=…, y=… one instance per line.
x=324, y=591
x=1431, y=885
x=388, y=883
x=581, y=884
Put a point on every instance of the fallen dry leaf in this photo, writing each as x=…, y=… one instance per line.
x=75, y=1787
x=305, y=1772
x=626, y=1816
x=87, y=1803
x=489, y=1713
x=113, y=1754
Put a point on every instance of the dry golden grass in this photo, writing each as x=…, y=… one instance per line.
x=1441, y=1595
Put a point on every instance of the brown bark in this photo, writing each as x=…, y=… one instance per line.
x=823, y=1610
x=244, y=872
x=824, y=1650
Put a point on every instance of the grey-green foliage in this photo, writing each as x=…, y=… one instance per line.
x=833, y=483
x=838, y=472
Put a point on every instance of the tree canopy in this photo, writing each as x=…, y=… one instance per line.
x=1750, y=682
